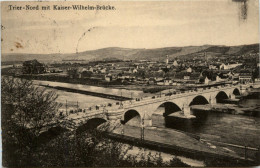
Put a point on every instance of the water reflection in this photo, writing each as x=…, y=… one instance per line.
x=237, y=129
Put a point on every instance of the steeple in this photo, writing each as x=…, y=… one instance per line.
x=206, y=58
x=167, y=60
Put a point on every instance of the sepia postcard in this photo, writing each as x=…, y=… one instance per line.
x=130, y=83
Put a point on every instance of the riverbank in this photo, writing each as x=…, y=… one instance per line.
x=103, y=95
x=229, y=109
x=174, y=142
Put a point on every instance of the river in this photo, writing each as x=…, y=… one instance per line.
x=84, y=101
x=117, y=92
x=223, y=127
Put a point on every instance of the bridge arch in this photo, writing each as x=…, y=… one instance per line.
x=199, y=100
x=162, y=116
x=168, y=108
x=132, y=117
x=236, y=92
x=221, y=96
x=91, y=124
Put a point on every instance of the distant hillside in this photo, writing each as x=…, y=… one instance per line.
x=138, y=54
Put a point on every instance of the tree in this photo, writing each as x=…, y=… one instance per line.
x=176, y=162
x=165, y=70
x=86, y=74
x=33, y=107
x=26, y=110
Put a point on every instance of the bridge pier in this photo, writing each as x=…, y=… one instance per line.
x=232, y=96
x=187, y=112
x=213, y=101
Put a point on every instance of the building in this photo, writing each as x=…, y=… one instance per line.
x=223, y=67
x=212, y=67
x=206, y=81
x=245, y=77
x=53, y=70
x=189, y=69
x=229, y=66
x=33, y=67
x=104, y=70
x=175, y=63
x=17, y=65
x=218, y=79
x=85, y=74
x=108, y=77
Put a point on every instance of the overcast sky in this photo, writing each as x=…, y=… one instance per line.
x=131, y=25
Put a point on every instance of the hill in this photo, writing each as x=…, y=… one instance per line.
x=139, y=54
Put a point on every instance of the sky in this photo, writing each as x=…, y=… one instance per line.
x=143, y=24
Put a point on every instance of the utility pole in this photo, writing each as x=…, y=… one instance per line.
x=131, y=96
x=142, y=130
x=121, y=104
x=105, y=111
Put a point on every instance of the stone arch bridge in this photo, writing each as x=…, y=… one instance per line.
x=178, y=105
x=152, y=108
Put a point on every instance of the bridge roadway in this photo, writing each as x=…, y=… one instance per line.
x=148, y=108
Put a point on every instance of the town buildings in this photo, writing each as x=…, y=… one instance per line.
x=176, y=71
